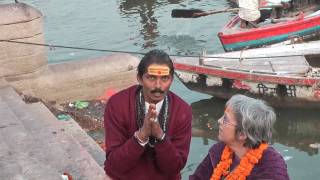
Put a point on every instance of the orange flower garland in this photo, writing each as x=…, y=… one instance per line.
x=245, y=167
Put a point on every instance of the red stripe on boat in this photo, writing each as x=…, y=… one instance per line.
x=255, y=77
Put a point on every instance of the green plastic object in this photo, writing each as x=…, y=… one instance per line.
x=81, y=104
x=64, y=117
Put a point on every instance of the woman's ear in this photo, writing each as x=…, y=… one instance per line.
x=242, y=136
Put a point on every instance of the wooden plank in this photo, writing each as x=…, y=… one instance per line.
x=290, y=65
x=281, y=49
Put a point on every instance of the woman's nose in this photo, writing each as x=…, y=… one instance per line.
x=220, y=120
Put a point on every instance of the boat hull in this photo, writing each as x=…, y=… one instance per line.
x=278, y=90
x=257, y=37
x=279, y=102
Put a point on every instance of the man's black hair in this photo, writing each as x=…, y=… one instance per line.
x=155, y=56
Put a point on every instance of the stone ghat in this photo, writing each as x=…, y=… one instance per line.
x=36, y=145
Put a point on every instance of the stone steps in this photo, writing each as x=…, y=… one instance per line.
x=73, y=129
x=24, y=150
x=41, y=147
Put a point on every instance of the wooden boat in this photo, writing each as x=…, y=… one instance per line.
x=280, y=49
x=283, y=81
x=233, y=38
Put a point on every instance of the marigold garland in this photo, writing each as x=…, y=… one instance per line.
x=244, y=168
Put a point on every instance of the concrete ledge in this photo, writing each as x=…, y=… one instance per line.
x=3, y=83
x=85, y=79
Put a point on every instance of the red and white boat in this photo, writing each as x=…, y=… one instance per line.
x=283, y=81
x=233, y=38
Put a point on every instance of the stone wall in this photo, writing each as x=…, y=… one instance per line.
x=25, y=67
x=23, y=23
x=79, y=80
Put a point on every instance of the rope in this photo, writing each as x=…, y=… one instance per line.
x=135, y=52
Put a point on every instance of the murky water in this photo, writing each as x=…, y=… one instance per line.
x=140, y=25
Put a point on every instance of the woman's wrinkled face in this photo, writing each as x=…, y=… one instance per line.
x=227, y=127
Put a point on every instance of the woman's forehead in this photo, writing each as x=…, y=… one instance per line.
x=228, y=110
x=230, y=113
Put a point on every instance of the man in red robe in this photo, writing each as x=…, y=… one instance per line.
x=148, y=128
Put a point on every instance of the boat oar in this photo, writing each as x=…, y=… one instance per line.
x=195, y=13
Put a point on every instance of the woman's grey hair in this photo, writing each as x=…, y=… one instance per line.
x=254, y=118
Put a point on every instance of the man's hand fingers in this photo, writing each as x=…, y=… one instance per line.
x=152, y=113
x=152, y=106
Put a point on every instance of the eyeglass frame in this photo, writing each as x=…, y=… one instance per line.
x=225, y=121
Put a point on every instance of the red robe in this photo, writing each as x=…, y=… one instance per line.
x=126, y=159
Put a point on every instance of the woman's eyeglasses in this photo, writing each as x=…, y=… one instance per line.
x=226, y=121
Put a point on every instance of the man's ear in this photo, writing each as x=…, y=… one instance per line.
x=139, y=79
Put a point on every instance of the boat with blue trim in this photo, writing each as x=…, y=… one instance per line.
x=304, y=22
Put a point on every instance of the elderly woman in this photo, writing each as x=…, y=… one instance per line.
x=243, y=152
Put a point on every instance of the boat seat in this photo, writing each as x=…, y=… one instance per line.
x=294, y=65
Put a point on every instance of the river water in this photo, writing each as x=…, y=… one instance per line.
x=141, y=25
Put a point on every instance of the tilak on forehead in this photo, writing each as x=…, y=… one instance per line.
x=158, y=70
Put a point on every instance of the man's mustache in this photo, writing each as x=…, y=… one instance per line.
x=157, y=90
